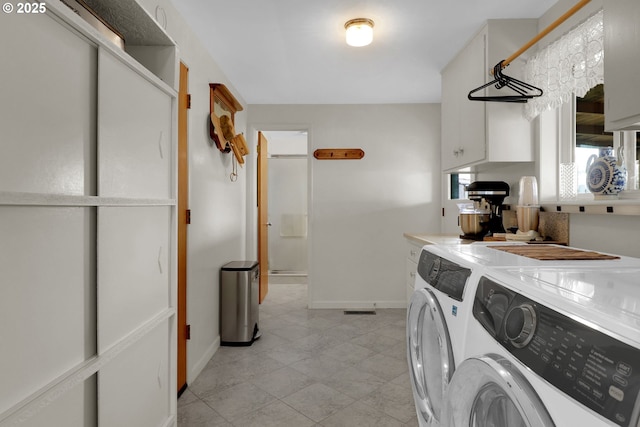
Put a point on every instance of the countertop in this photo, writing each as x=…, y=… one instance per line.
x=450, y=239
x=436, y=239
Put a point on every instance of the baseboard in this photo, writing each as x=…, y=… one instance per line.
x=358, y=305
x=193, y=373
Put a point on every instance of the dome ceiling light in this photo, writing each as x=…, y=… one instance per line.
x=359, y=32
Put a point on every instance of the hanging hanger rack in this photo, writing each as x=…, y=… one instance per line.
x=524, y=91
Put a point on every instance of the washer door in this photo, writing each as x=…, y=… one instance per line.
x=489, y=391
x=429, y=355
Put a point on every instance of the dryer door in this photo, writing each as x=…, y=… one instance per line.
x=489, y=391
x=429, y=355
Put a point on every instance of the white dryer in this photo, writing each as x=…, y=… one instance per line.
x=461, y=374
x=435, y=328
x=550, y=347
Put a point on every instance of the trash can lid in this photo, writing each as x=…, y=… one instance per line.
x=240, y=265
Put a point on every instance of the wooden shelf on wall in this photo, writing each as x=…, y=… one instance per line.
x=221, y=102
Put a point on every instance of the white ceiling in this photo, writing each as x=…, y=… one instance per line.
x=293, y=51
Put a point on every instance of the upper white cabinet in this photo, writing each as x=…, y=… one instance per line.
x=622, y=64
x=48, y=124
x=134, y=133
x=477, y=132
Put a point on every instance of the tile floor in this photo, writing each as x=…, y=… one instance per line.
x=309, y=368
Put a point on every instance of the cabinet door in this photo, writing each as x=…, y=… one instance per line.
x=410, y=277
x=450, y=116
x=134, y=133
x=47, y=113
x=463, y=121
x=134, y=387
x=133, y=269
x=472, y=123
x=622, y=64
x=75, y=408
x=47, y=307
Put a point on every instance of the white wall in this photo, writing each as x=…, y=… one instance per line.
x=360, y=208
x=217, y=231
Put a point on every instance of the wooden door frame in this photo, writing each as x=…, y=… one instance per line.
x=263, y=219
x=182, y=209
x=256, y=219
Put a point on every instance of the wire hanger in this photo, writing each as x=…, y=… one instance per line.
x=523, y=91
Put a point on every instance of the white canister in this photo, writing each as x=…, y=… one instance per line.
x=528, y=191
x=528, y=217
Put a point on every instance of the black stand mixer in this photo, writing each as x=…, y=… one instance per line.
x=493, y=193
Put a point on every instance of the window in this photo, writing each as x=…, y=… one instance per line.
x=590, y=136
x=574, y=64
x=458, y=182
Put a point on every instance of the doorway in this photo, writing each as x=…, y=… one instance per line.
x=183, y=206
x=288, y=204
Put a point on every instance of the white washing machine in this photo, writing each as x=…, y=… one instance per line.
x=436, y=325
x=447, y=344
x=550, y=347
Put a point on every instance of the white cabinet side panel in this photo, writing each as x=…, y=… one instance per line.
x=134, y=133
x=134, y=387
x=47, y=303
x=133, y=269
x=47, y=113
x=621, y=64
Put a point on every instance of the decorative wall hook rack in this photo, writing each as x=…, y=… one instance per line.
x=338, y=154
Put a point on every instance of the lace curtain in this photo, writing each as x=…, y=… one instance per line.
x=571, y=65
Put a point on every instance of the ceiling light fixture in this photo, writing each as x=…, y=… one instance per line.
x=359, y=32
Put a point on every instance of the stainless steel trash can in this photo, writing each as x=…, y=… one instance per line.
x=239, y=303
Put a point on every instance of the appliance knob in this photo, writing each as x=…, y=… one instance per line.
x=520, y=324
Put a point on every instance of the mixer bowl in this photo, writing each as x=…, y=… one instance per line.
x=474, y=223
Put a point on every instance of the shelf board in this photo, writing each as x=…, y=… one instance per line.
x=593, y=207
x=133, y=21
x=8, y=198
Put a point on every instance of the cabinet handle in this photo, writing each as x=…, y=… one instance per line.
x=458, y=152
x=160, y=377
x=413, y=253
x=412, y=275
x=160, y=146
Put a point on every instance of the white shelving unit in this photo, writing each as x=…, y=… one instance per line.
x=88, y=221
